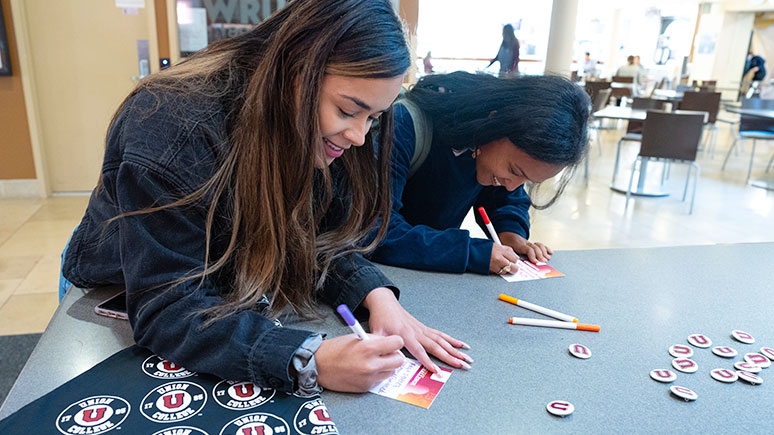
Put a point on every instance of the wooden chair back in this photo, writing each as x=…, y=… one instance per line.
x=643, y=104
x=704, y=101
x=671, y=135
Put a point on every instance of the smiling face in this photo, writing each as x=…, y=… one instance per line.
x=348, y=107
x=501, y=163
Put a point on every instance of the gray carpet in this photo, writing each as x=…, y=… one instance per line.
x=14, y=351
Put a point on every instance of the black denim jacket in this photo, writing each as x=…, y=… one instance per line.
x=152, y=158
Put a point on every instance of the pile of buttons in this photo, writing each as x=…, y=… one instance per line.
x=746, y=370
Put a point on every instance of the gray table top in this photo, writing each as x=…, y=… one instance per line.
x=644, y=299
x=618, y=112
x=760, y=113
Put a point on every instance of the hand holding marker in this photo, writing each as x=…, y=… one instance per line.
x=496, y=238
x=353, y=324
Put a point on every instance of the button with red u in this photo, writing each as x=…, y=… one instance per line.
x=685, y=393
x=560, y=408
x=724, y=375
x=685, y=365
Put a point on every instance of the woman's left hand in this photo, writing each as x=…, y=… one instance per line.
x=535, y=252
x=388, y=317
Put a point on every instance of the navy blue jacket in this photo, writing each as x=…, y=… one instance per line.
x=428, y=209
x=152, y=159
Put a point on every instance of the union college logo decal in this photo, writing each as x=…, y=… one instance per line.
x=313, y=418
x=93, y=415
x=159, y=368
x=181, y=430
x=256, y=424
x=175, y=401
x=241, y=395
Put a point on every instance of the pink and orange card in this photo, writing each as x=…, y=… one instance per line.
x=529, y=271
x=413, y=384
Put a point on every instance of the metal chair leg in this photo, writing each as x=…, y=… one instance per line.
x=687, y=180
x=631, y=181
x=728, y=154
x=695, y=184
x=771, y=160
x=752, y=156
x=617, y=157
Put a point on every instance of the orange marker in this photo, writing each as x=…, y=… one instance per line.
x=537, y=308
x=553, y=324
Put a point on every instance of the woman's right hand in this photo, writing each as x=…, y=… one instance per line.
x=503, y=255
x=348, y=364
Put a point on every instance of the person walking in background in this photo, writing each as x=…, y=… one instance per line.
x=508, y=54
x=239, y=185
x=482, y=138
x=428, y=63
x=754, y=73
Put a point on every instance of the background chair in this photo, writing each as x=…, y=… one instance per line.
x=599, y=102
x=705, y=85
x=706, y=102
x=752, y=127
x=594, y=86
x=634, y=128
x=671, y=137
x=622, y=87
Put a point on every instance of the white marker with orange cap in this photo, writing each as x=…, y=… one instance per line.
x=553, y=324
x=537, y=308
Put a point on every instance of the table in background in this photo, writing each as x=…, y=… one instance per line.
x=767, y=184
x=644, y=299
x=667, y=94
x=643, y=188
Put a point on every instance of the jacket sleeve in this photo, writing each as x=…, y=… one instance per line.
x=351, y=279
x=420, y=246
x=161, y=247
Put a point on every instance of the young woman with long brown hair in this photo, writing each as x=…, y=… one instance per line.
x=239, y=184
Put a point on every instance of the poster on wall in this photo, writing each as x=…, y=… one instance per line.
x=5, y=54
x=202, y=22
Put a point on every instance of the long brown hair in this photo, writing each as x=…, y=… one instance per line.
x=273, y=75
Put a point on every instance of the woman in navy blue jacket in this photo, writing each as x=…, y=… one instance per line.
x=489, y=137
x=240, y=183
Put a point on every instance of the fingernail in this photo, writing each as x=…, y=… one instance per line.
x=464, y=365
x=466, y=357
x=465, y=346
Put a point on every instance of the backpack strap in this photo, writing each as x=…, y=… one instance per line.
x=423, y=130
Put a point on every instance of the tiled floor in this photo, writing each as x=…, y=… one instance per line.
x=588, y=216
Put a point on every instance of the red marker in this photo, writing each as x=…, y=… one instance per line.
x=489, y=226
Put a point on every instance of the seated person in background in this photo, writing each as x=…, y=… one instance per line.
x=488, y=137
x=631, y=69
x=237, y=187
x=589, y=67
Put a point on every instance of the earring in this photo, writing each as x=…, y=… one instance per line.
x=476, y=152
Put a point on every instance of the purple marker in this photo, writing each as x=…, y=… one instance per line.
x=352, y=322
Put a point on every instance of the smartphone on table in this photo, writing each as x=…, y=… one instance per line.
x=114, y=307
